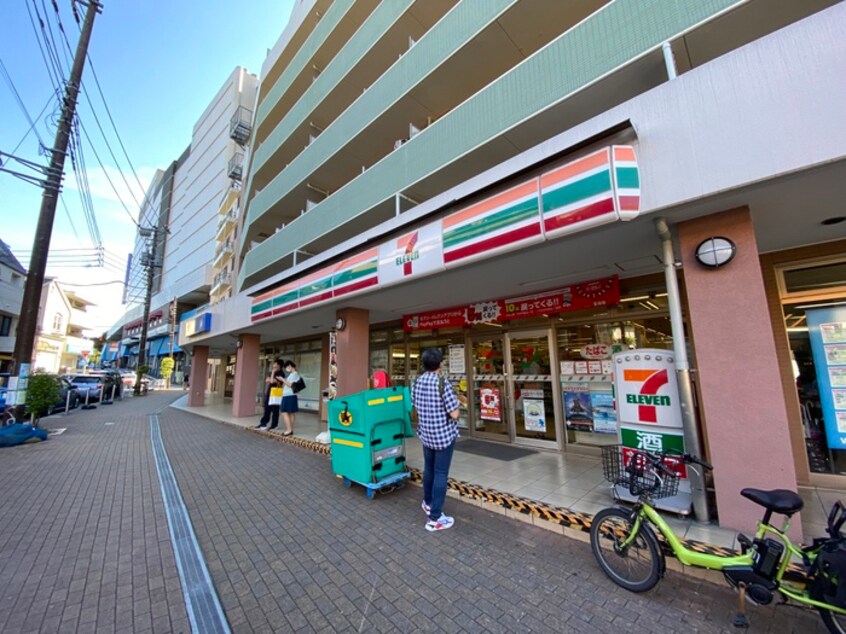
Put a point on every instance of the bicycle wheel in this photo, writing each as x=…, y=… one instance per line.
x=637, y=567
x=834, y=621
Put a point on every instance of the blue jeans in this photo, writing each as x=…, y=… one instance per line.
x=435, y=472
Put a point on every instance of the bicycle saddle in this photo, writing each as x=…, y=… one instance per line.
x=777, y=500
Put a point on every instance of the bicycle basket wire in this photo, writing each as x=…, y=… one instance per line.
x=633, y=469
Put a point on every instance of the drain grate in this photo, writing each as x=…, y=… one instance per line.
x=201, y=600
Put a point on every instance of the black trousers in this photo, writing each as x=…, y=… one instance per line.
x=270, y=415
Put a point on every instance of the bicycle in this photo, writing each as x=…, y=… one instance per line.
x=627, y=549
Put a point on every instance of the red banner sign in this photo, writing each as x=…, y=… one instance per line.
x=604, y=292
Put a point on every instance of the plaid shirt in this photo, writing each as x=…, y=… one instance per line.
x=435, y=427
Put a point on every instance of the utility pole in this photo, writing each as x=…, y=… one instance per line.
x=150, y=261
x=25, y=335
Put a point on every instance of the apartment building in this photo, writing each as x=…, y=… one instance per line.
x=537, y=187
x=179, y=237
x=12, y=279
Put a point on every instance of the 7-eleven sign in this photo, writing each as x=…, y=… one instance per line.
x=646, y=388
x=419, y=252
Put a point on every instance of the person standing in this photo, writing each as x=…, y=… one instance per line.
x=289, y=399
x=271, y=412
x=436, y=404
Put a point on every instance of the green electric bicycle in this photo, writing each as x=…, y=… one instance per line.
x=627, y=549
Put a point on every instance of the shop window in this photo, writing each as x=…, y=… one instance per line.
x=5, y=325
x=814, y=301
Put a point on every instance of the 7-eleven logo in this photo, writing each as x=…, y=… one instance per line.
x=408, y=245
x=647, y=399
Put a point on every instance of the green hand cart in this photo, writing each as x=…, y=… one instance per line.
x=368, y=431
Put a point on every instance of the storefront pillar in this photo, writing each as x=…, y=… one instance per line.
x=353, y=350
x=737, y=369
x=198, y=376
x=246, y=376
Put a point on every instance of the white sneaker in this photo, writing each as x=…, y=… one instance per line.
x=426, y=508
x=261, y=427
x=443, y=523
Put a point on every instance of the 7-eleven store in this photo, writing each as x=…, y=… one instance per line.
x=529, y=278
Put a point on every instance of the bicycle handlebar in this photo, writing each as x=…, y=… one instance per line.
x=688, y=458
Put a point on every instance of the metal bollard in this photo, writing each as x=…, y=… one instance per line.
x=87, y=404
x=111, y=400
x=67, y=403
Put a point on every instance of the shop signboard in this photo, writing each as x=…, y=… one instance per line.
x=827, y=331
x=648, y=439
x=412, y=255
x=646, y=388
x=489, y=404
x=603, y=292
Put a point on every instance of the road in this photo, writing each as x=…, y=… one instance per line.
x=85, y=546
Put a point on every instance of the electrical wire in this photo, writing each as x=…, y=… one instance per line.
x=21, y=105
x=56, y=81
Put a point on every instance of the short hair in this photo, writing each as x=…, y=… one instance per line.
x=432, y=359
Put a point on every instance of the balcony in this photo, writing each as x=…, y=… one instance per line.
x=240, y=126
x=235, y=170
x=223, y=252
x=225, y=223
x=222, y=282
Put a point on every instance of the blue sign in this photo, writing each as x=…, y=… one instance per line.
x=201, y=323
x=827, y=330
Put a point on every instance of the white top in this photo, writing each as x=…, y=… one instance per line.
x=290, y=378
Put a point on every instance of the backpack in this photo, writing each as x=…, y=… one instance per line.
x=298, y=386
x=829, y=573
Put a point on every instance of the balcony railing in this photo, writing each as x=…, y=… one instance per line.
x=240, y=125
x=222, y=253
x=236, y=167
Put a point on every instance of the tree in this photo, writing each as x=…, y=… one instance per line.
x=42, y=393
x=167, y=369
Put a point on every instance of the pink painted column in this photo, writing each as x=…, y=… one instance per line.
x=737, y=369
x=198, y=376
x=353, y=344
x=246, y=376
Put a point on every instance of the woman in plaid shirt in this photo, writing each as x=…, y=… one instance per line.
x=437, y=410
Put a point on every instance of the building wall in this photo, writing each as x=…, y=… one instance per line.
x=199, y=185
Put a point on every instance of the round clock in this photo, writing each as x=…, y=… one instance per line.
x=340, y=323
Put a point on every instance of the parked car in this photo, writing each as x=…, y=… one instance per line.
x=128, y=379
x=67, y=388
x=94, y=385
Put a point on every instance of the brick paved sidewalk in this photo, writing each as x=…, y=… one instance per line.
x=290, y=549
x=84, y=543
x=84, y=546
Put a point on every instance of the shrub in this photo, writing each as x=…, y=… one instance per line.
x=42, y=393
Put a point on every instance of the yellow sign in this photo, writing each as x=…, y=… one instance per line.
x=345, y=418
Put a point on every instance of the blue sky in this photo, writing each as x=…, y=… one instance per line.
x=159, y=64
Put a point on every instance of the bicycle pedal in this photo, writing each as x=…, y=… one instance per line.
x=745, y=543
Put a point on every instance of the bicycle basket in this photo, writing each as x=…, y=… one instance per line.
x=633, y=469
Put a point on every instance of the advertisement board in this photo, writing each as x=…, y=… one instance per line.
x=827, y=331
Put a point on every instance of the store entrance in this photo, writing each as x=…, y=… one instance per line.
x=531, y=389
x=513, y=399
x=488, y=383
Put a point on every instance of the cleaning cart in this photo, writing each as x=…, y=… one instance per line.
x=368, y=431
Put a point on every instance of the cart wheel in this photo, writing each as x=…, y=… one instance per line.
x=347, y=482
x=371, y=493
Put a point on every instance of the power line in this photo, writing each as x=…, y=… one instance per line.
x=55, y=80
x=21, y=105
x=50, y=100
